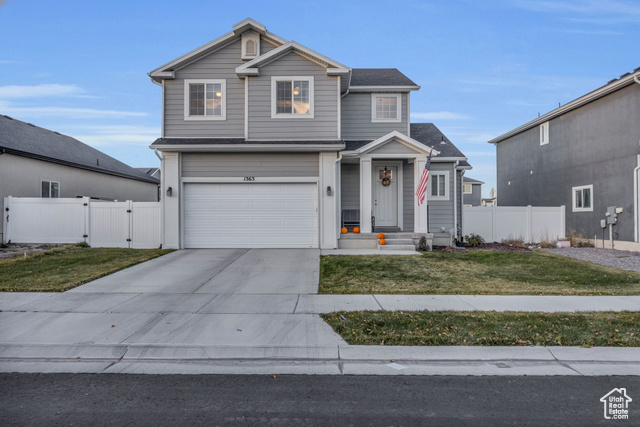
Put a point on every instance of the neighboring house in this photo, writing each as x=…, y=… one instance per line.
x=471, y=192
x=153, y=173
x=584, y=155
x=489, y=201
x=36, y=162
x=267, y=143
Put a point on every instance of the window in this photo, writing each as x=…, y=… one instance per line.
x=50, y=189
x=439, y=186
x=205, y=99
x=467, y=189
x=544, y=133
x=292, y=97
x=386, y=107
x=583, y=198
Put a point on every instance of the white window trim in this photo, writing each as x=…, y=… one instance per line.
x=275, y=115
x=544, y=133
x=50, y=182
x=446, y=185
x=223, y=84
x=464, y=191
x=398, y=96
x=573, y=198
x=250, y=36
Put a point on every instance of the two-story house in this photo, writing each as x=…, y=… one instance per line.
x=471, y=192
x=584, y=155
x=267, y=143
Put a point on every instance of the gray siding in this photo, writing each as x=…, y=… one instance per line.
x=218, y=65
x=324, y=125
x=441, y=211
x=407, y=197
x=595, y=144
x=350, y=186
x=22, y=177
x=394, y=147
x=475, y=198
x=260, y=165
x=356, y=118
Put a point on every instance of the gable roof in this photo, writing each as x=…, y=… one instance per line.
x=612, y=86
x=167, y=71
x=252, y=67
x=467, y=180
x=27, y=140
x=395, y=136
x=428, y=134
x=380, y=77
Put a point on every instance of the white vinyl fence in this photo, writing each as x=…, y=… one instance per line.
x=530, y=223
x=100, y=224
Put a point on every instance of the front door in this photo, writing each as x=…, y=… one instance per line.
x=385, y=195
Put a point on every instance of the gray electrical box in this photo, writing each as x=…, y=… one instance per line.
x=612, y=216
x=603, y=223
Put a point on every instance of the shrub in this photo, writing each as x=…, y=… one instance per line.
x=514, y=241
x=474, y=240
x=547, y=244
x=422, y=245
x=577, y=240
x=82, y=245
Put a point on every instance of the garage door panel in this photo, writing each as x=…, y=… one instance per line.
x=250, y=215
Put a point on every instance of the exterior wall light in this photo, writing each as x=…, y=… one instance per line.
x=328, y=190
x=169, y=191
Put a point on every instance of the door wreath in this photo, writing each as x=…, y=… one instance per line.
x=386, y=182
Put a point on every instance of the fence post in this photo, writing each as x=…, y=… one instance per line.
x=129, y=207
x=529, y=237
x=87, y=217
x=6, y=236
x=563, y=222
x=493, y=223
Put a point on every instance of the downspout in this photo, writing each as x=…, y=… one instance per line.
x=455, y=201
x=636, y=171
x=162, y=197
x=462, y=200
x=338, y=191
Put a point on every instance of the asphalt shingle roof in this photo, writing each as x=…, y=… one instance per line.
x=379, y=77
x=21, y=138
x=471, y=180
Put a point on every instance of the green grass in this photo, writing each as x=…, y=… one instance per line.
x=438, y=328
x=66, y=267
x=479, y=272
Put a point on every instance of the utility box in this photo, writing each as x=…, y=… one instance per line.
x=612, y=215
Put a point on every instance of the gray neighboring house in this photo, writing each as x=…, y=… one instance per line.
x=584, y=155
x=471, y=192
x=36, y=162
x=267, y=143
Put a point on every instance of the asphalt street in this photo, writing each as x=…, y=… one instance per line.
x=162, y=400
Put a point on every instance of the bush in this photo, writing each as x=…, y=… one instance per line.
x=547, y=244
x=514, y=241
x=82, y=245
x=422, y=245
x=474, y=240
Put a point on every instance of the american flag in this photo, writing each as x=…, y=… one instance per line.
x=422, y=186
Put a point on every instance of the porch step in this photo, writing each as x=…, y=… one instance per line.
x=393, y=242
x=388, y=247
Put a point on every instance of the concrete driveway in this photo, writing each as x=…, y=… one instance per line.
x=215, y=297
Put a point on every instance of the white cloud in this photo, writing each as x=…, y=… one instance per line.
x=64, y=112
x=604, y=11
x=439, y=115
x=39, y=91
x=117, y=135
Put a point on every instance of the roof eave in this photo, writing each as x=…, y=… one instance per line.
x=248, y=147
x=577, y=103
x=383, y=88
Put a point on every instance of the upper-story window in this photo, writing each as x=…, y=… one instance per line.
x=292, y=97
x=467, y=189
x=50, y=189
x=205, y=99
x=386, y=107
x=544, y=133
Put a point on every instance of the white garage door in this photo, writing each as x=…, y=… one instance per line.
x=250, y=215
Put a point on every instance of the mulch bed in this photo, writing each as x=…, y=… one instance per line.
x=493, y=247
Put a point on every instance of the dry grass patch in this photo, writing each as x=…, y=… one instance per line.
x=481, y=272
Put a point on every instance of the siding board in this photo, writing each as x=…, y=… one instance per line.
x=208, y=165
x=356, y=118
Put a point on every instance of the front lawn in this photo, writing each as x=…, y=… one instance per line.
x=66, y=267
x=480, y=272
x=435, y=328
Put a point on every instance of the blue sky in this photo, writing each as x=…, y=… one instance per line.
x=485, y=67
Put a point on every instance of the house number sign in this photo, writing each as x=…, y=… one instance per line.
x=249, y=178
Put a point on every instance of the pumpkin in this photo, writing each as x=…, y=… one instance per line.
x=383, y=242
x=356, y=230
x=344, y=230
x=380, y=236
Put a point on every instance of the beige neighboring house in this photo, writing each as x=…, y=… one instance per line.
x=36, y=162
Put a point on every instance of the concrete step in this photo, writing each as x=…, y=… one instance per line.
x=397, y=247
x=391, y=242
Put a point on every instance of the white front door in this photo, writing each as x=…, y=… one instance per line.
x=385, y=195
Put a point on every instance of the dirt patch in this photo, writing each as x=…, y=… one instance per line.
x=492, y=247
x=20, y=249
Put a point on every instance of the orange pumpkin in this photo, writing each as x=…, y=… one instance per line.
x=344, y=230
x=356, y=230
x=383, y=242
x=380, y=236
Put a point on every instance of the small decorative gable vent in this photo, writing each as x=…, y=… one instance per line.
x=250, y=45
